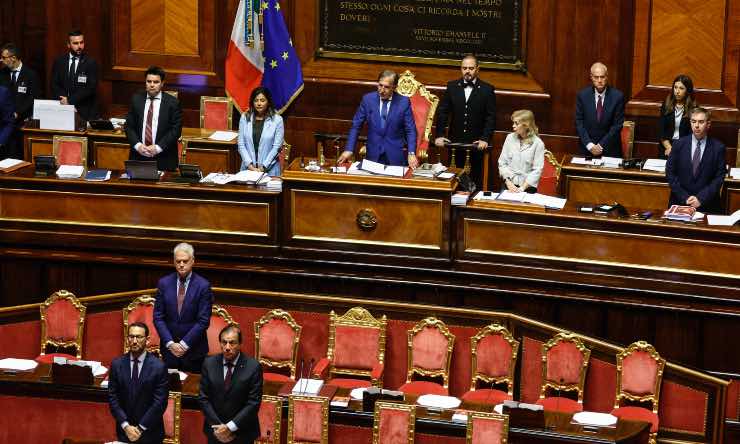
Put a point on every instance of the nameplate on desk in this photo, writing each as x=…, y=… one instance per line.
x=71, y=374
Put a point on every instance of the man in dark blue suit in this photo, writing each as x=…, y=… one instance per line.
x=182, y=313
x=7, y=121
x=696, y=168
x=390, y=125
x=137, y=390
x=599, y=116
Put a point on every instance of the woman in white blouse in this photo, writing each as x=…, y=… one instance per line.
x=523, y=155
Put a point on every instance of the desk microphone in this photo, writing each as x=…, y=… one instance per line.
x=308, y=375
x=300, y=374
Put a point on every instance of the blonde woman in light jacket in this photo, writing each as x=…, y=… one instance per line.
x=523, y=155
x=261, y=123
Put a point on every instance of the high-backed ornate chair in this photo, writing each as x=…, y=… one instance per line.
x=487, y=428
x=270, y=417
x=70, y=150
x=550, y=175
x=628, y=138
x=393, y=423
x=564, y=364
x=220, y=318
x=308, y=419
x=172, y=419
x=62, y=324
x=429, y=355
x=284, y=155
x=423, y=106
x=494, y=351
x=216, y=113
x=276, y=338
x=356, y=350
x=141, y=309
x=639, y=374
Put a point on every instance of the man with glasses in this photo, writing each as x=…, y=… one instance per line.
x=137, y=390
x=24, y=87
x=390, y=125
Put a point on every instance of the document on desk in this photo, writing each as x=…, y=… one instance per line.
x=654, y=165
x=383, y=170
x=579, y=161
x=535, y=199
x=511, y=196
x=223, y=136
x=21, y=365
x=611, y=162
x=735, y=173
x=70, y=171
x=726, y=221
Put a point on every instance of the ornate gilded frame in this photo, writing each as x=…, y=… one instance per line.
x=57, y=140
x=408, y=86
x=555, y=385
x=550, y=157
x=654, y=398
x=486, y=417
x=444, y=372
x=631, y=139
x=490, y=330
x=81, y=309
x=229, y=111
x=409, y=408
x=176, y=398
x=356, y=317
x=278, y=418
x=285, y=316
x=141, y=300
x=324, y=416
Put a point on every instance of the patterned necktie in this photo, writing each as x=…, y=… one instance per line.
x=180, y=295
x=229, y=374
x=599, y=109
x=696, y=158
x=384, y=113
x=149, y=118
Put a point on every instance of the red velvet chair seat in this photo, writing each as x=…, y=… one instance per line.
x=49, y=357
x=638, y=414
x=349, y=383
x=275, y=377
x=424, y=388
x=560, y=404
x=487, y=396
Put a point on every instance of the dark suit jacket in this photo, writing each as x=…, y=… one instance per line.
x=80, y=94
x=666, y=126
x=24, y=91
x=708, y=182
x=169, y=129
x=399, y=131
x=472, y=120
x=606, y=132
x=240, y=403
x=143, y=405
x=192, y=322
x=7, y=122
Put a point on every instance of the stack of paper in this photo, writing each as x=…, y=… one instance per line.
x=246, y=176
x=307, y=386
x=21, y=365
x=485, y=196
x=9, y=163
x=536, y=199
x=654, y=165
x=383, y=170
x=275, y=184
x=70, y=171
x=223, y=136
x=355, y=170
x=460, y=198
x=611, y=162
x=727, y=221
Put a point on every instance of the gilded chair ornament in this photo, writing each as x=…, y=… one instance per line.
x=62, y=295
x=548, y=383
x=508, y=379
x=278, y=315
x=444, y=372
x=139, y=302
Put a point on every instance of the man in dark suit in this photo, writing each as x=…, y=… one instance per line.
x=390, y=125
x=599, y=116
x=231, y=392
x=7, y=121
x=472, y=103
x=137, y=390
x=696, y=168
x=154, y=123
x=24, y=87
x=182, y=313
x=74, y=77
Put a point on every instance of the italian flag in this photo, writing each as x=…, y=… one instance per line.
x=245, y=62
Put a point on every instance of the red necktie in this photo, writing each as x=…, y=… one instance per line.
x=599, y=109
x=149, y=117
x=229, y=373
x=180, y=295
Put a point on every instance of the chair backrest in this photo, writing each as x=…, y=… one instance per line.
x=639, y=374
x=70, y=150
x=423, y=106
x=564, y=364
x=141, y=309
x=270, y=417
x=550, y=175
x=430, y=350
x=216, y=113
x=171, y=419
x=393, y=423
x=494, y=351
x=62, y=322
x=308, y=419
x=276, y=339
x=628, y=138
x=487, y=428
x=284, y=155
x=356, y=343
x=220, y=318
x=737, y=150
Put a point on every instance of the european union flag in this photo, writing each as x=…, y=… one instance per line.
x=282, y=75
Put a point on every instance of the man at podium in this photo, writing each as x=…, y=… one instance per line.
x=390, y=125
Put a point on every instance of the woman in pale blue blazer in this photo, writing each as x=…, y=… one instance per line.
x=261, y=127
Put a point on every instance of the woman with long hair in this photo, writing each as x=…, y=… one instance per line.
x=261, y=134
x=674, y=114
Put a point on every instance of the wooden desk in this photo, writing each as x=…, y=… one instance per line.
x=382, y=219
x=39, y=141
x=635, y=189
x=732, y=195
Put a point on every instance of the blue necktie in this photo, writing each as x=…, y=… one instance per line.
x=384, y=113
x=696, y=158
